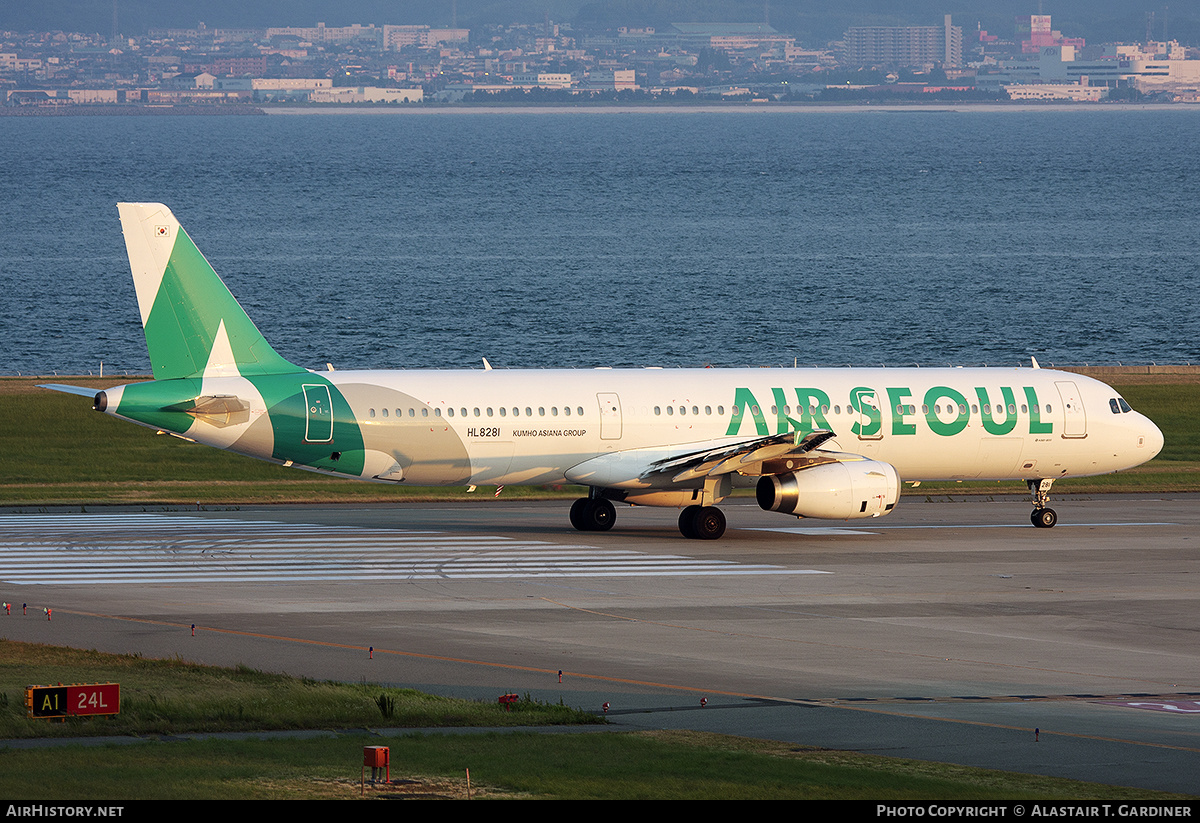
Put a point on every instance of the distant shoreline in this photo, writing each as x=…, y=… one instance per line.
x=736, y=108
x=85, y=110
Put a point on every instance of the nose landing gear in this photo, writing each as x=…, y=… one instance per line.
x=1042, y=516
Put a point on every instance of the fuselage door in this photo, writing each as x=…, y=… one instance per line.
x=610, y=415
x=318, y=423
x=1074, y=416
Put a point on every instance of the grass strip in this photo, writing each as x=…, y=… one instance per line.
x=173, y=697
x=663, y=765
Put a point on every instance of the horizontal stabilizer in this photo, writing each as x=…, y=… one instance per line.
x=82, y=391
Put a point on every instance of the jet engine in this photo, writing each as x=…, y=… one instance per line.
x=832, y=491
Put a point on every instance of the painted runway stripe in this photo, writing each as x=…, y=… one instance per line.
x=172, y=549
x=875, y=530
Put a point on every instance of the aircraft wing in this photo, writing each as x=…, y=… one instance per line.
x=730, y=458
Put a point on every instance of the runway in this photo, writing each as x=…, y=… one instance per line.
x=949, y=630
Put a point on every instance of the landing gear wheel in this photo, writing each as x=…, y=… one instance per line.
x=593, y=515
x=1044, y=518
x=687, y=520
x=702, y=522
x=602, y=516
x=709, y=523
x=578, y=513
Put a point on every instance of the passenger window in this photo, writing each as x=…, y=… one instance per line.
x=658, y=410
x=567, y=411
x=708, y=409
x=437, y=412
x=425, y=412
x=385, y=412
x=695, y=409
x=372, y=412
x=670, y=410
x=554, y=411
x=580, y=410
x=450, y=411
x=528, y=412
x=503, y=412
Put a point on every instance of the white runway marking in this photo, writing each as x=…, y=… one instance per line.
x=93, y=549
x=875, y=530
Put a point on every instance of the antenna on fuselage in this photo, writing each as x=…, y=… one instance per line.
x=486, y=365
x=1034, y=361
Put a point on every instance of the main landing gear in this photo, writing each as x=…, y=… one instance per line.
x=593, y=514
x=596, y=514
x=702, y=522
x=1042, y=516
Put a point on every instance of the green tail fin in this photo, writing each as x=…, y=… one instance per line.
x=194, y=327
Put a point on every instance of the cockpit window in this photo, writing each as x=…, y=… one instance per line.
x=1125, y=407
x=1112, y=404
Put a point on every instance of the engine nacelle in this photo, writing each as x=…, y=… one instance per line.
x=832, y=491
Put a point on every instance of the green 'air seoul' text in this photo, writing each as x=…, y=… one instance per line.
x=946, y=411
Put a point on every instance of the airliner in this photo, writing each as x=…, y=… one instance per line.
x=813, y=442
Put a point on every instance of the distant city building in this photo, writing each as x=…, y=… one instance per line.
x=261, y=89
x=366, y=94
x=1141, y=67
x=726, y=36
x=1057, y=91
x=616, y=79
x=543, y=80
x=905, y=45
x=396, y=38
x=1034, y=33
x=321, y=33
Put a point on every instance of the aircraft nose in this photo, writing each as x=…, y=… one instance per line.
x=1153, y=437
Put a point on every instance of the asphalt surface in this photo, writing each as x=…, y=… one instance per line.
x=949, y=630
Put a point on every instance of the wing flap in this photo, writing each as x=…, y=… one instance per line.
x=731, y=458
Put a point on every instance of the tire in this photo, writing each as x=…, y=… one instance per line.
x=579, y=514
x=601, y=515
x=687, y=522
x=1044, y=518
x=709, y=523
